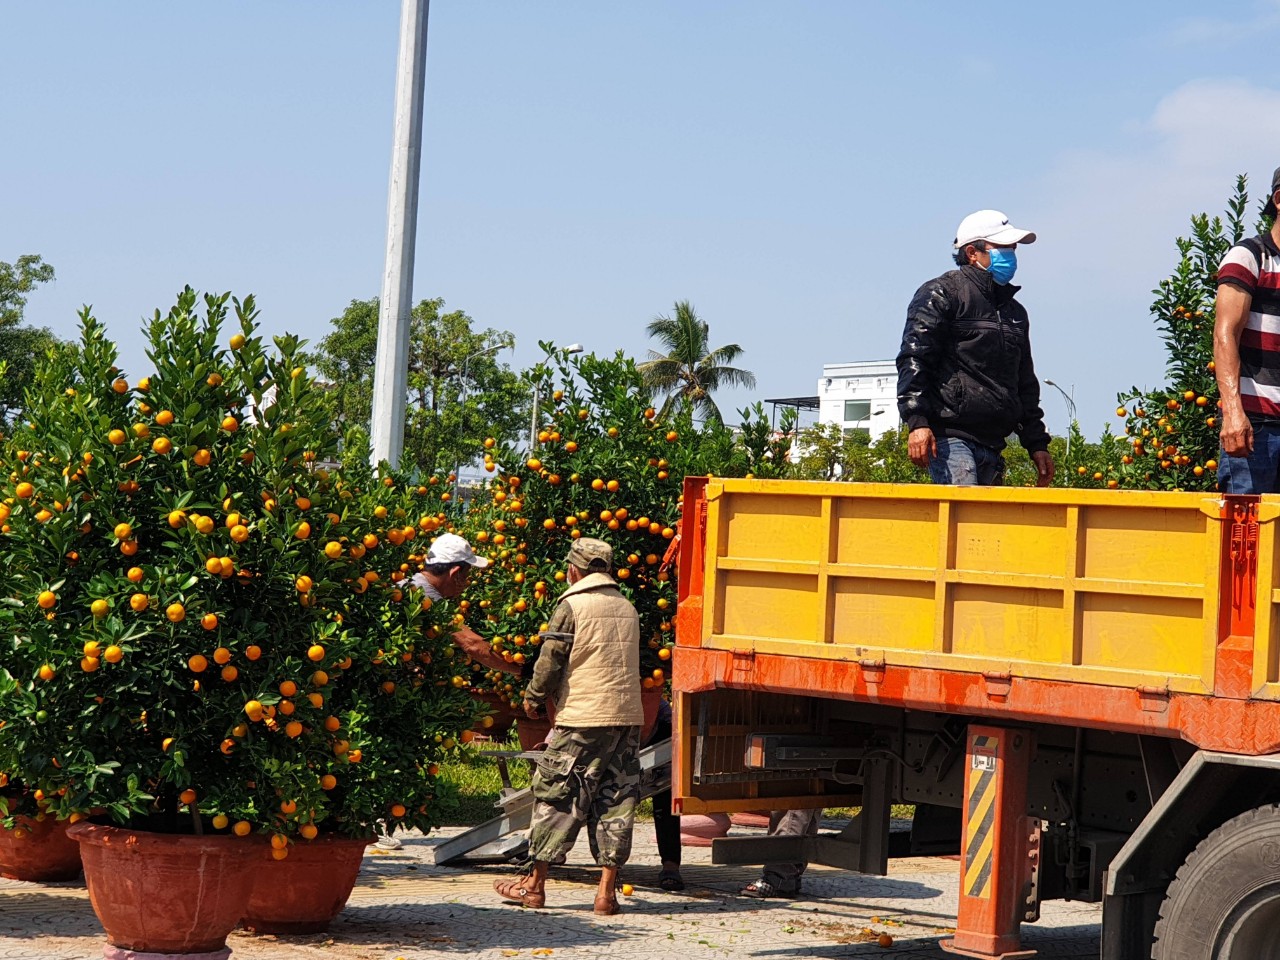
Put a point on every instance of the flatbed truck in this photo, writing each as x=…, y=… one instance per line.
x=1079, y=691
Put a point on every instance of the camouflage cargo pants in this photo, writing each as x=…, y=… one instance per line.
x=586, y=775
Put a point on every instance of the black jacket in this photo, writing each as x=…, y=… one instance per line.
x=964, y=369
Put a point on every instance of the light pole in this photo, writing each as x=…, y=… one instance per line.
x=533, y=423
x=391, y=366
x=1070, y=398
x=462, y=414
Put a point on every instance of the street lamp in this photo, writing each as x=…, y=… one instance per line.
x=462, y=404
x=1070, y=398
x=533, y=423
x=866, y=416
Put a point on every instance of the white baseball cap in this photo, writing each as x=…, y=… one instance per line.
x=451, y=549
x=992, y=226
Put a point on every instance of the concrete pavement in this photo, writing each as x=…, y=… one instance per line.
x=405, y=907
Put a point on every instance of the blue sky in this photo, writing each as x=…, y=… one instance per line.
x=794, y=169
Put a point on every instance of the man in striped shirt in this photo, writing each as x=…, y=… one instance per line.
x=1246, y=355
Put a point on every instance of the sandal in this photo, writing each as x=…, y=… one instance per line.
x=762, y=889
x=606, y=906
x=516, y=892
x=670, y=880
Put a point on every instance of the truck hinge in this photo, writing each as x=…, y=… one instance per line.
x=872, y=670
x=1153, y=699
x=744, y=659
x=998, y=685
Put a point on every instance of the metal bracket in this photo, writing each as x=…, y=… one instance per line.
x=767, y=751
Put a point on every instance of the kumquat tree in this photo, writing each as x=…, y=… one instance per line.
x=605, y=465
x=205, y=622
x=1170, y=439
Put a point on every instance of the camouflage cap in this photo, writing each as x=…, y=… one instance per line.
x=589, y=553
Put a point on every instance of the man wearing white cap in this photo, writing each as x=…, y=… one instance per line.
x=965, y=376
x=444, y=576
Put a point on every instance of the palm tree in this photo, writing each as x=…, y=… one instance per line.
x=690, y=370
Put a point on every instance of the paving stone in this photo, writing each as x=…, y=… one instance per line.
x=406, y=907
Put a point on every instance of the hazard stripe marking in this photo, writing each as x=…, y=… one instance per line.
x=980, y=819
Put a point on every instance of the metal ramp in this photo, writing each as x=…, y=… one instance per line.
x=493, y=840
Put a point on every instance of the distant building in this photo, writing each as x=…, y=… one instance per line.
x=860, y=396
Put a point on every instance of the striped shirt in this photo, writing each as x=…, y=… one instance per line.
x=1253, y=265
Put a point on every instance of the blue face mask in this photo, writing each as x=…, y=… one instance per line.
x=1004, y=264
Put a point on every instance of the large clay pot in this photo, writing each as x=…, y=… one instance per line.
x=650, y=700
x=503, y=715
x=751, y=818
x=535, y=732
x=166, y=893
x=698, y=830
x=304, y=892
x=39, y=851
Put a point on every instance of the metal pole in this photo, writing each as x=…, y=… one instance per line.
x=533, y=424
x=1071, y=409
x=390, y=378
x=462, y=417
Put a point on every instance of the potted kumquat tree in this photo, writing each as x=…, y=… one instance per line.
x=206, y=633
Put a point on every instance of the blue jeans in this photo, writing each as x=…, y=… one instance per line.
x=965, y=463
x=1258, y=471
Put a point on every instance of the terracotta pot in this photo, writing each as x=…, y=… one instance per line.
x=166, y=893
x=504, y=715
x=698, y=830
x=304, y=892
x=534, y=732
x=45, y=854
x=751, y=818
x=651, y=700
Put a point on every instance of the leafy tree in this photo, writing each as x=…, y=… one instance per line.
x=690, y=370
x=458, y=392
x=828, y=453
x=1172, y=431
x=765, y=451
x=20, y=347
x=16, y=281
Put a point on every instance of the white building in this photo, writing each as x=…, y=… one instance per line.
x=860, y=396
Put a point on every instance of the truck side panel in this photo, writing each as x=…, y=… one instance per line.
x=1098, y=587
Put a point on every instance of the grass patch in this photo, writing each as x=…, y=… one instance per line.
x=470, y=783
x=899, y=811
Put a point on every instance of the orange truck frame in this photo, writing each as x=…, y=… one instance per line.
x=1078, y=690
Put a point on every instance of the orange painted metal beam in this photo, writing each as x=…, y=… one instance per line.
x=1211, y=723
x=1237, y=611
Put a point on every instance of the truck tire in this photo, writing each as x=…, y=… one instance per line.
x=1225, y=901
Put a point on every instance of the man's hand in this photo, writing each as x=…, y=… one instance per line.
x=478, y=649
x=1044, y=467
x=1237, y=432
x=921, y=447
x=532, y=710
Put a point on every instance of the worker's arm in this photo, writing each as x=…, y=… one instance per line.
x=478, y=649
x=1232, y=313
x=921, y=340
x=553, y=659
x=1032, y=433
